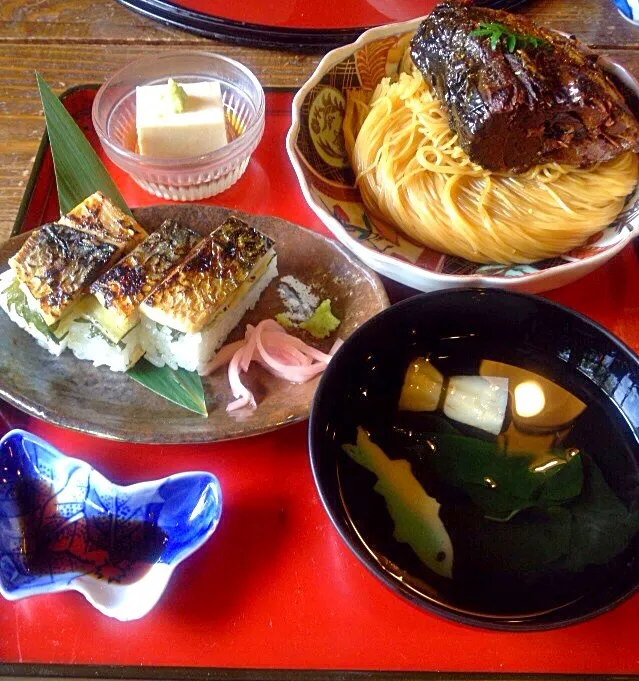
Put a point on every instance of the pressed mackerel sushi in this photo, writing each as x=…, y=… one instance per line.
x=14, y=302
x=120, y=290
x=187, y=317
x=98, y=216
x=107, y=332
x=52, y=272
x=56, y=265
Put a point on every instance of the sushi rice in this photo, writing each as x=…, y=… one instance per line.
x=193, y=351
x=87, y=342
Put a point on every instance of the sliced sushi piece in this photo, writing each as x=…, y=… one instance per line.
x=14, y=302
x=52, y=272
x=87, y=341
x=107, y=332
x=48, y=276
x=97, y=216
x=188, y=317
x=56, y=265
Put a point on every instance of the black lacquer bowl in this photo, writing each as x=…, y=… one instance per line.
x=360, y=387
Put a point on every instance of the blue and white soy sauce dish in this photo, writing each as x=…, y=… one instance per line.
x=64, y=526
x=629, y=9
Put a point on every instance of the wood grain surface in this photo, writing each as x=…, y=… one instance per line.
x=83, y=41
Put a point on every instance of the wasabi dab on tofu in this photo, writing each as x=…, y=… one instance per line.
x=414, y=513
x=320, y=324
x=176, y=97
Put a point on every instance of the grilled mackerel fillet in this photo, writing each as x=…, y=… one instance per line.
x=225, y=264
x=119, y=291
x=56, y=264
x=97, y=216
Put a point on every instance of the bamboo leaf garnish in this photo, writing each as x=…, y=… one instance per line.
x=496, y=31
x=78, y=169
x=80, y=173
x=181, y=387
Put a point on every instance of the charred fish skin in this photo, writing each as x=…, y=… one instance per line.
x=241, y=241
x=99, y=217
x=213, y=272
x=57, y=264
x=532, y=97
x=125, y=285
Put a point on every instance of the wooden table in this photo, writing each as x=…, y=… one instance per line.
x=83, y=41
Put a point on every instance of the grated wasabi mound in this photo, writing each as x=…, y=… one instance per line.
x=322, y=322
x=176, y=97
x=284, y=320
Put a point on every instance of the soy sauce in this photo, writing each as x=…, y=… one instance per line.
x=68, y=541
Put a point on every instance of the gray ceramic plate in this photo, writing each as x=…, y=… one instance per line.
x=74, y=394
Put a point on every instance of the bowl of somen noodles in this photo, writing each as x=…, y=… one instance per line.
x=526, y=189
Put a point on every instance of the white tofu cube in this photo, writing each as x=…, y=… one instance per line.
x=198, y=130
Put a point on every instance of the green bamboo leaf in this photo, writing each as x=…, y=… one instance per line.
x=78, y=169
x=181, y=387
x=80, y=173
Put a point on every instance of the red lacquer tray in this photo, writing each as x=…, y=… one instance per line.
x=275, y=588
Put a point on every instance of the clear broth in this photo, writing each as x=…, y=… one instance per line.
x=596, y=428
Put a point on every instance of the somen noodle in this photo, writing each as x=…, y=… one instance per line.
x=413, y=173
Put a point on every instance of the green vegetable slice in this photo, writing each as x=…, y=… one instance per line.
x=501, y=484
x=414, y=513
x=17, y=299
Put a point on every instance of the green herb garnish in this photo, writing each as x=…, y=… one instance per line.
x=18, y=301
x=591, y=529
x=500, y=483
x=525, y=518
x=500, y=32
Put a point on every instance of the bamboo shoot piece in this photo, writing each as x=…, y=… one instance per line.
x=422, y=387
x=478, y=401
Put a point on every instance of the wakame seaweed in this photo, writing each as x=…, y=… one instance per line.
x=498, y=482
x=523, y=518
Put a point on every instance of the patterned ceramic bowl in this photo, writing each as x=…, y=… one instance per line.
x=629, y=9
x=64, y=526
x=316, y=148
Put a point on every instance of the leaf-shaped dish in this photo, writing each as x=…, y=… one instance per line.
x=74, y=394
x=66, y=527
